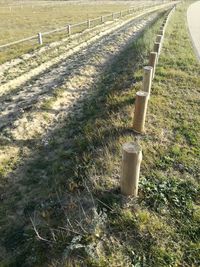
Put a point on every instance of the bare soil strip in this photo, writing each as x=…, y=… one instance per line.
x=26, y=113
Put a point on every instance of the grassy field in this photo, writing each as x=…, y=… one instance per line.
x=66, y=204
x=18, y=23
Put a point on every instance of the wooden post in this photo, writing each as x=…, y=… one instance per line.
x=141, y=103
x=131, y=161
x=88, y=23
x=69, y=29
x=40, y=38
x=159, y=38
x=113, y=16
x=161, y=32
x=152, y=62
x=147, y=79
x=102, y=21
x=156, y=48
x=162, y=28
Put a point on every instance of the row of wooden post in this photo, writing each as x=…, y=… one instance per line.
x=40, y=36
x=132, y=152
x=40, y=40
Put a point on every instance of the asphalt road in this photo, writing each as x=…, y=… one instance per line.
x=193, y=18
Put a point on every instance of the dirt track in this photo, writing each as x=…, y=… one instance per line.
x=31, y=110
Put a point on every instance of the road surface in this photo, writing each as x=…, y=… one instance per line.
x=193, y=18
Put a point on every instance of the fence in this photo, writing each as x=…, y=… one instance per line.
x=80, y=27
x=132, y=152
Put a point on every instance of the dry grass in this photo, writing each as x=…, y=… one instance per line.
x=19, y=23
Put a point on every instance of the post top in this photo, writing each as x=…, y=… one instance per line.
x=132, y=147
x=153, y=53
x=142, y=93
x=149, y=68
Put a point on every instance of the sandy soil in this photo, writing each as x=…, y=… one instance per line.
x=24, y=113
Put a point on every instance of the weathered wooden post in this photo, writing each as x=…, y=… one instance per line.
x=131, y=161
x=69, y=29
x=141, y=103
x=147, y=79
x=102, y=20
x=152, y=62
x=40, y=38
x=113, y=16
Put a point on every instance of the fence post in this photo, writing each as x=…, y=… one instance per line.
x=102, y=21
x=69, y=29
x=141, y=103
x=161, y=32
x=162, y=29
x=40, y=38
x=131, y=161
x=159, y=38
x=113, y=16
x=88, y=23
x=147, y=79
x=152, y=62
x=156, y=48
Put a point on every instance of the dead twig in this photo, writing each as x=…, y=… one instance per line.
x=37, y=233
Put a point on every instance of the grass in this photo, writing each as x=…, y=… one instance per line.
x=68, y=191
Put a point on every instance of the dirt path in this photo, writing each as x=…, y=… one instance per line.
x=30, y=111
x=75, y=76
